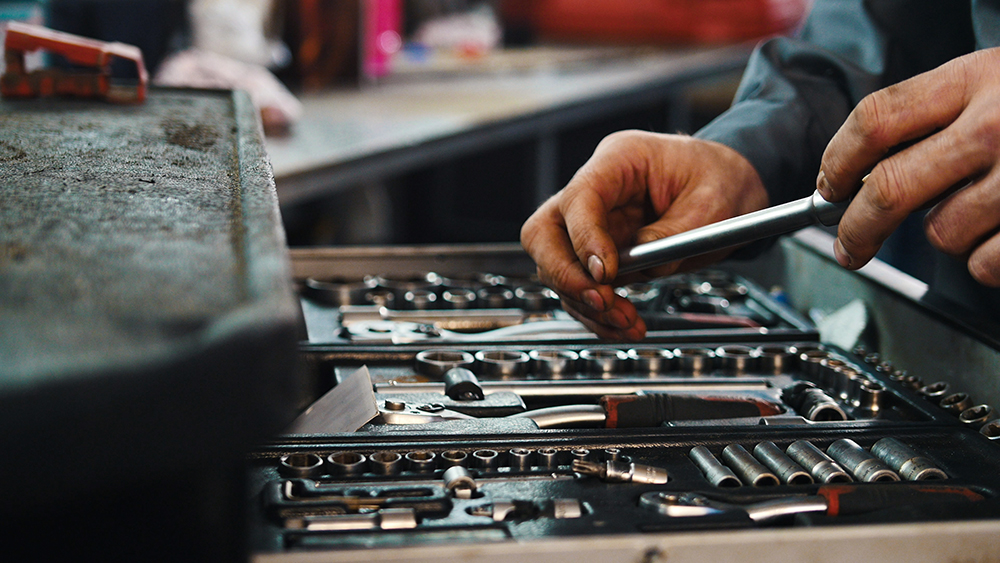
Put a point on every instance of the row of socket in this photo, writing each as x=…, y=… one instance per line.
x=802, y=463
x=980, y=417
x=382, y=463
x=529, y=297
x=735, y=359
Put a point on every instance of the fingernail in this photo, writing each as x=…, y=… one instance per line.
x=596, y=267
x=593, y=299
x=843, y=258
x=823, y=186
x=618, y=319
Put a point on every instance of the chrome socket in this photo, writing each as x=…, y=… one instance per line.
x=787, y=470
x=458, y=298
x=502, y=363
x=991, y=430
x=338, y=292
x=436, y=363
x=548, y=458
x=639, y=293
x=816, y=405
x=303, y=465
x=845, y=382
x=934, y=392
x=651, y=360
x=746, y=466
x=863, y=465
x=776, y=360
x=717, y=474
x=975, y=417
x=736, y=359
x=520, y=459
x=487, y=460
x=381, y=298
x=910, y=465
x=601, y=361
x=451, y=458
x=553, y=362
x=613, y=454
x=495, y=297
x=810, y=360
x=535, y=297
x=817, y=463
x=400, y=283
x=694, y=361
x=421, y=461
x=346, y=464
x=385, y=463
x=581, y=454
x=419, y=300
x=870, y=395
x=956, y=403
x=459, y=482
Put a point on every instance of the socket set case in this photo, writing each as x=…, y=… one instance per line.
x=476, y=441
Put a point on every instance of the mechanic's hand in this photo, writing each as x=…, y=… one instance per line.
x=637, y=187
x=954, y=111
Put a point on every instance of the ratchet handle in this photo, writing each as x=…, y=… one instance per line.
x=844, y=500
x=652, y=410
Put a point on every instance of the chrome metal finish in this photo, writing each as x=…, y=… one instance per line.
x=346, y=464
x=501, y=363
x=819, y=465
x=650, y=359
x=603, y=361
x=776, y=359
x=956, y=403
x=694, y=361
x=693, y=504
x=612, y=454
x=385, y=463
x=569, y=416
x=977, y=416
x=713, y=470
x=934, y=392
x=300, y=465
x=749, y=470
x=548, y=458
x=400, y=283
x=870, y=395
x=383, y=519
x=758, y=225
x=787, y=470
x=458, y=298
x=451, y=458
x=459, y=482
x=863, y=465
x=419, y=299
x=581, y=454
x=566, y=508
x=534, y=297
x=486, y=460
x=991, y=430
x=421, y=461
x=520, y=459
x=381, y=298
x=910, y=465
x=553, y=361
x=436, y=363
x=495, y=297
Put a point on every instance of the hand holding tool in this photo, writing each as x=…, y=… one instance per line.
x=773, y=221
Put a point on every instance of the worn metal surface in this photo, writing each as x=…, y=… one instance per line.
x=147, y=325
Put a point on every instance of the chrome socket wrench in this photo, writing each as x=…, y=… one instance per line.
x=713, y=470
x=906, y=461
x=787, y=470
x=863, y=465
x=746, y=466
x=819, y=465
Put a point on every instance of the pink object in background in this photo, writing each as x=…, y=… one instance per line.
x=382, y=26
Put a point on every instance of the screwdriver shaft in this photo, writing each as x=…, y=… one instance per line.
x=761, y=224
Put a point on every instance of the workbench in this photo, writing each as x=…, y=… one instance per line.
x=528, y=124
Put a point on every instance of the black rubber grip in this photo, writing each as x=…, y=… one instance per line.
x=646, y=411
x=858, y=499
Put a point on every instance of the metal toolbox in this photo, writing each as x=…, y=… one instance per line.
x=564, y=447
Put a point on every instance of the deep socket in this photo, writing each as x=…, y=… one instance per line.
x=783, y=466
x=713, y=470
x=776, y=360
x=746, y=466
x=346, y=464
x=819, y=465
x=553, y=362
x=501, y=363
x=385, y=463
x=421, y=461
x=451, y=458
x=870, y=395
x=736, y=359
x=863, y=465
x=910, y=465
x=694, y=361
x=548, y=458
x=816, y=405
x=300, y=465
x=487, y=460
x=650, y=360
x=603, y=361
x=520, y=459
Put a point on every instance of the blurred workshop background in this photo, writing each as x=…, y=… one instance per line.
x=437, y=121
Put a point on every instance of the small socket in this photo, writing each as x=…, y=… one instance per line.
x=910, y=465
x=651, y=360
x=783, y=466
x=975, y=417
x=717, y=474
x=421, y=461
x=991, y=430
x=520, y=459
x=553, y=362
x=581, y=454
x=777, y=360
x=603, y=361
x=436, y=363
x=501, y=362
x=548, y=458
x=451, y=458
x=956, y=403
x=346, y=464
x=300, y=465
x=385, y=463
x=736, y=359
x=495, y=297
x=934, y=392
x=487, y=460
x=694, y=361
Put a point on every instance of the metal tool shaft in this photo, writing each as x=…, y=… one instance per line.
x=769, y=222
